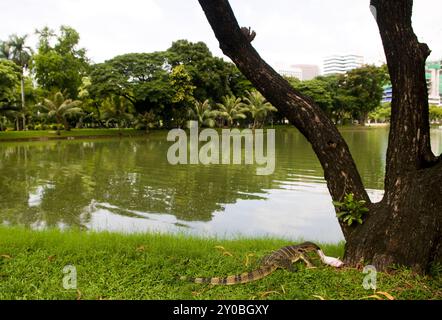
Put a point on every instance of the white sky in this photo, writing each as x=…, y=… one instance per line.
x=288, y=31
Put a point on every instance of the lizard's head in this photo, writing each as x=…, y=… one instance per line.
x=310, y=246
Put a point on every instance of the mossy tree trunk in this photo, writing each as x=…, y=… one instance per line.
x=405, y=227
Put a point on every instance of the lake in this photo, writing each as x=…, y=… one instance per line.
x=127, y=185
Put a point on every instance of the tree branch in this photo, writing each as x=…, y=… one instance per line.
x=339, y=168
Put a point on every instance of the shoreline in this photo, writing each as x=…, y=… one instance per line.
x=77, y=134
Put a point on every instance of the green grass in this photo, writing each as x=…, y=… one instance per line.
x=51, y=134
x=148, y=266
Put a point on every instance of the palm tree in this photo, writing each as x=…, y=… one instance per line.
x=258, y=107
x=203, y=113
x=21, y=54
x=61, y=108
x=232, y=109
x=116, y=110
x=5, y=50
x=145, y=120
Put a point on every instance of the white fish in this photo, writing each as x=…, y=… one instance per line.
x=334, y=262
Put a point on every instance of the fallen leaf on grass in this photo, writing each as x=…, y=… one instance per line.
x=282, y=287
x=141, y=249
x=78, y=294
x=386, y=294
x=52, y=258
x=6, y=256
x=373, y=297
x=225, y=252
x=319, y=297
x=248, y=256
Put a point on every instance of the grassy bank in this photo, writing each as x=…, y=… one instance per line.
x=113, y=266
x=75, y=133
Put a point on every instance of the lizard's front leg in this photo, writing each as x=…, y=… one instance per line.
x=307, y=261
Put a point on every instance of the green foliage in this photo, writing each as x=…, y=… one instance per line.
x=60, y=66
x=10, y=75
x=141, y=78
x=351, y=95
x=146, y=121
x=181, y=83
x=231, y=109
x=61, y=109
x=365, y=87
x=258, y=107
x=19, y=52
x=5, y=50
x=435, y=113
x=116, y=110
x=351, y=210
x=211, y=76
x=382, y=113
x=203, y=113
x=317, y=89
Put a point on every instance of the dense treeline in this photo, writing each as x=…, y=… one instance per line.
x=56, y=86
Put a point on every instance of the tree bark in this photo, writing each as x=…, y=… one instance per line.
x=405, y=227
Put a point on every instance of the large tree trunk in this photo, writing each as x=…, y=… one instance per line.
x=405, y=227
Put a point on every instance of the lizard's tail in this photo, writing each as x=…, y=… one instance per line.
x=236, y=279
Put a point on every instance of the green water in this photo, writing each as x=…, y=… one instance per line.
x=127, y=185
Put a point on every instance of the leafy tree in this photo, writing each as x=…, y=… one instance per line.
x=141, y=78
x=365, y=87
x=61, y=66
x=231, y=109
x=211, y=76
x=319, y=90
x=403, y=228
x=258, y=107
x=181, y=83
x=61, y=109
x=239, y=85
x=10, y=75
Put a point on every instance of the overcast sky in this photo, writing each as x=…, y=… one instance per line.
x=288, y=31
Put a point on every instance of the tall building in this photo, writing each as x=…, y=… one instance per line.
x=433, y=74
x=388, y=94
x=309, y=71
x=434, y=78
x=339, y=64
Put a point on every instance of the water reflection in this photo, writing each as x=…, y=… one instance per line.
x=127, y=185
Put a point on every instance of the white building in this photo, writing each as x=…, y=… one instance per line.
x=340, y=64
x=291, y=72
x=309, y=71
x=434, y=75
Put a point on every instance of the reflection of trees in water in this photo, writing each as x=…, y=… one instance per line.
x=134, y=175
x=369, y=147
